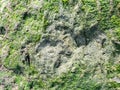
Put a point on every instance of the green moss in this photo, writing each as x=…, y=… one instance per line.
x=75, y=80
x=37, y=21
x=114, y=85
x=117, y=33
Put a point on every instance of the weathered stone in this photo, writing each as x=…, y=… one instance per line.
x=69, y=41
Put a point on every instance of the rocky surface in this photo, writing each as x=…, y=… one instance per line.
x=60, y=36
x=65, y=43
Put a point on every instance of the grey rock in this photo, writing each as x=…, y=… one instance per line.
x=68, y=41
x=116, y=79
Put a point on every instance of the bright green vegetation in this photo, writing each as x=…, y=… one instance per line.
x=78, y=80
x=27, y=20
x=82, y=79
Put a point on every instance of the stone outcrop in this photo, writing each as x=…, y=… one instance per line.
x=67, y=42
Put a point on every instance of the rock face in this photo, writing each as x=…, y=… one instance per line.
x=67, y=42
